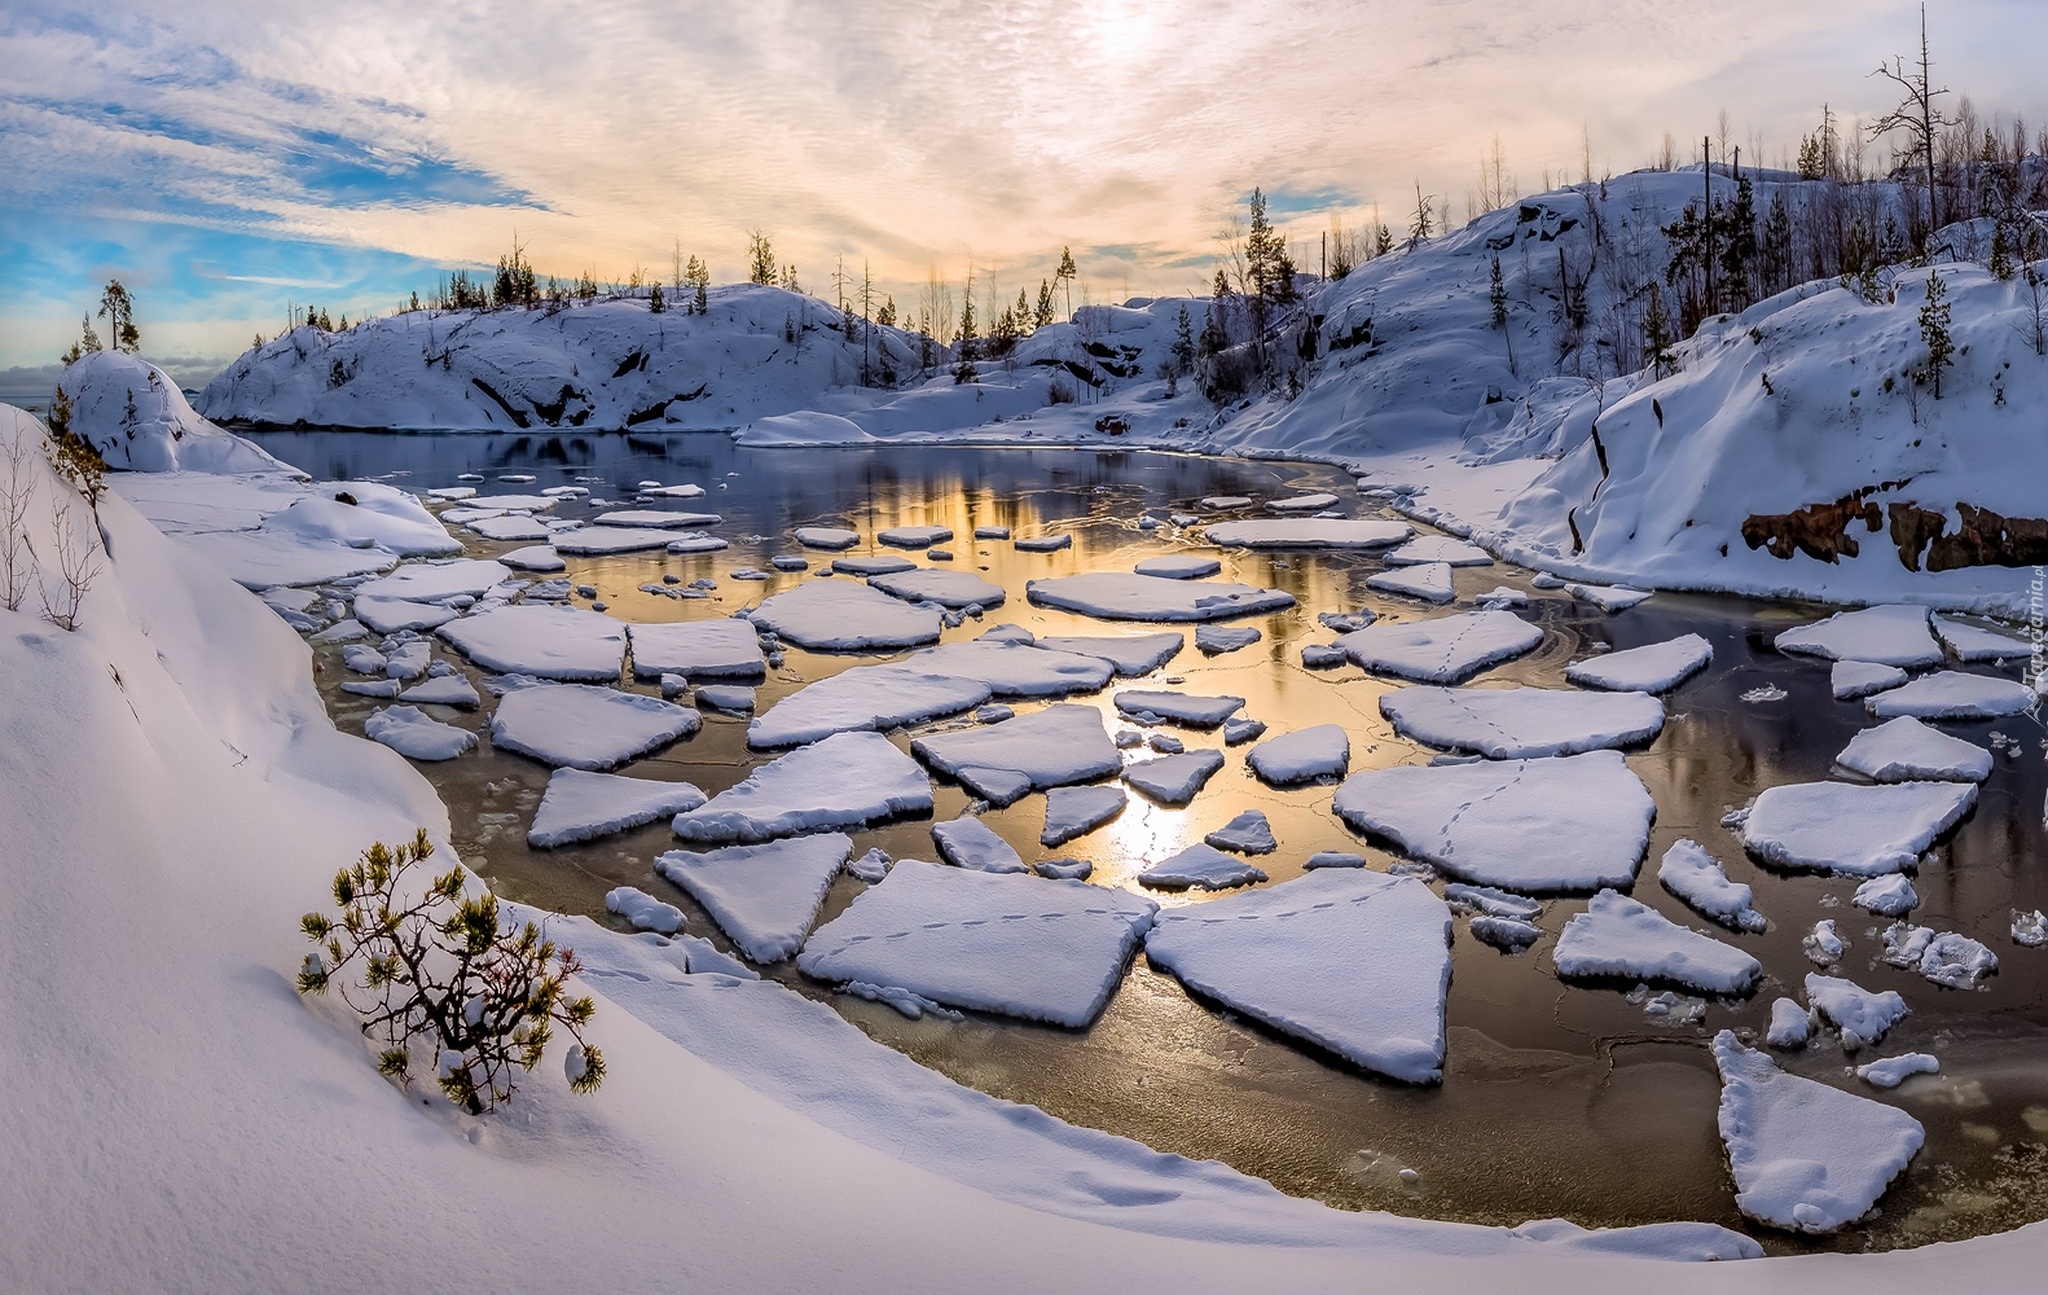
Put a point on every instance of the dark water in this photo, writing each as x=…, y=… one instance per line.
x=1557, y=1100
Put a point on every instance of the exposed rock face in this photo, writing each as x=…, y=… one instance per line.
x=1817, y=530
x=1823, y=531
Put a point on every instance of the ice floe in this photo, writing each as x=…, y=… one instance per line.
x=1042, y=543
x=1148, y=705
x=971, y=843
x=1241, y=730
x=548, y=642
x=1009, y=943
x=1975, y=643
x=1892, y=634
x=1850, y=680
x=534, y=557
x=1215, y=640
x=1179, y=566
x=391, y=615
x=1200, y=866
x=1608, y=598
x=1791, y=1025
x=838, y=616
x=1077, y=811
x=847, y=780
x=1890, y=1072
x=1275, y=955
x=764, y=896
x=655, y=519
x=1853, y=829
x=1509, y=723
x=579, y=726
x=1806, y=1157
x=411, y=732
x=1431, y=582
x=1654, y=668
x=727, y=698
x=1618, y=938
x=1438, y=548
x=1248, y=833
x=1333, y=859
x=1862, y=1017
x=1058, y=746
x=508, y=528
x=1945, y=957
x=1127, y=596
x=2030, y=930
x=1012, y=669
x=606, y=541
x=1952, y=694
x=1904, y=749
x=1129, y=654
x=1308, y=533
x=725, y=648
x=1888, y=896
x=1309, y=503
x=915, y=537
x=1823, y=945
x=1696, y=877
x=955, y=589
x=1446, y=650
x=1564, y=823
x=579, y=805
x=1320, y=751
x=1174, y=779
x=430, y=582
x=642, y=911
x=447, y=690
x=826, y=537
x=880, y=564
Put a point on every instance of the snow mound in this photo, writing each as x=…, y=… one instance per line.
x=1893, y=635
x=582, y=806
x=1904, y=749
x=1565, y=823
x=1127, y=596
x=697, y=650
x=1618, y=938
x=1055, y=747
x=835, y=616
x=1696, y=877
x=1077, y=811
x=1854, y=830
x=414, y=734
x=847, y=780
x=579, y=726
x=1308, y=533
x=1805, y=1156
x=1270, y=954
x=568, y=643
x=1510, y=723
x=1446, y=650
x=1202, y=866
x=971, y=843
x=1951, y=694
x=1174, y=779
x=135, y=416
x=1305, y=755
x=1655, y=668
x=764, y=896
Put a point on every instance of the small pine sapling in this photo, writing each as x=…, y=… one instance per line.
x=1934, y=317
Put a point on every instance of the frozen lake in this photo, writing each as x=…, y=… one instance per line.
x=1577, y=1100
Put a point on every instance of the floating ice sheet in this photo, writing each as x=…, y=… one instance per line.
x=583, y=806
x=847, y=780
x=725, y=648
x=1127, y=596
x=1618, y=938
x=1887, y=635
x=1309, y=533
x=1320, y=751
x=764, y=896
x=579, y=726
x=1446, y=650
x=1904, y=749
x=547, y=642
x=1055, y=747
x=840, y=616
x=1855, y=830
x=1654, y=668
x=1509, y=723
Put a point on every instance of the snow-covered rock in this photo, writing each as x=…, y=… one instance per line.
x=765, y=896
x=579, y=805
x=847, y=780
x=1904, y=749
x=135, y=416
x=579, y=726
x=1510, y=723
x=1654, y=668
x=1618, y=938
x=1850, y=829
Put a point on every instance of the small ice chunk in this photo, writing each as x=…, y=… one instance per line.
x=1805, y=1156
x=1055, y=747
x=1511, y=723
x=1508, y=934
x=1791, y=1025
x=642, y=911
x=954, y=589
x=408, y=661
x=1853, y=679
x=971, y=843
x=1887, y=896
x=1126, y=738
x=764, y=896
x=1951, y=694
x=1276, y=954
x=1179, y=566
x=1890, y=1072
x=1166, y=744
x=1656, y=668
x=847, y=780
x=362, y=659
x=1854, y=830
x=1473, y=820
x=1975, y=643
x=696, y=543
x=1904, y=749
x=1179, y=707
x=1333, y=859
x=915, y=537
x=1131, y=654
x=790, y=562
x=1696, y=877
x=1305, y=755
x=870, y=867
x=391, y=615
x=1608, y=598
x=1944, y=957
x=993, y=713
x=1490, y=901
x=1323, y=656
x=991, y=532
x=826, y=537
x=1424, y=549
x=1431, y=582
x=1174, y=779
x=2030, y=930
x=835, y=616
x=880, y=564
x=1215, y=640
x=1309, y=533
x=584, y=727
x=1064, y=869
x=1248, y=833
x=1346, y=622
x=1201, y=866
x=1077, y=811
x=1891, y=634
x=1863, y=1017
x=1127, y=596
x=1223, y=503
x=1240, y=730
x=1824, y=943
x=727, y=698
x=1043, y=543
x=1621, y=938
x=445, y=690
x=1446, y=650
x=1763, y=693
x=1310, y=503
x=1501, y=597
x=582, y=806
x=412, y=733
x=550, y=642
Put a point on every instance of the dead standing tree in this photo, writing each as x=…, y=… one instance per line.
x=1916, y=115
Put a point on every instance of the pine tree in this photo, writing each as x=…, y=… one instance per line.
x=1497, y=295
x=885, y=314
x=656, y=302
x=1383, y=241
x=1042, y=317
x=760, y=259
x=118, y=309
x=2000, y=264
x=1183, y=352
x=1657, y=337
x=1064, y=275
x=1811, y=167
x=1423, y=222
x=1023, y=314
x=1775, y=253
x=1738, y=246
x=967, y=336
x=1941, y=348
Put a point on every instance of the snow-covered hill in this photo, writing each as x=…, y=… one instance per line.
x=136, y=417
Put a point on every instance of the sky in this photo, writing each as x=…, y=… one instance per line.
x=227, y=159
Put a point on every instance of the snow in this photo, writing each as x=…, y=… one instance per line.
x=1215, y=640
x=1890, y=1072
x=1806, y=1157
x=1893, y=635
x=579, y=805
x=1888, y=896
x=1248, y=833
x=1447, y=649
x=1130, y=654
x=584, y=727
x=838, y=616
x=1223, y=503
x=991, y=532
x=1270, y=955
x=1951, y=694
x=1305, y=755
x=697, y=544
x=1491, y=902
x=707, y=649
x=1308, y=533
x=1425, y=549
x=411, y=732
x=687, y=490
x=915, y=537
x=642, y=911
x=448, y=690
x=1509, y=723
x=1077, y=811
x=870, y=867
x=1177, y=707
x=1174, y=779
x=1850, y=680
x=1903, y=749
x=1791, y=1025
x=433, y=582
x=1431, y=582
x=971, y=843
x=1203, y=866
x=1863, y=1017
x=826, y=537
x=1508, y=934
x=764, y=896
x=1654, y=668
x=955, y=589
x=1975, y=643
x=1475, y=820
x=1178, y=566
x=607, y=541
x=1608, y=598
x=568, y=643
x=1009, y=943
x=2030, y=930
x=1127, y=596
x=1696, y=877
x=137, y=418
x=1238, y=731
x=1944, y=957
x=847, y=780
x=1823, y=945
x=390, y=615
x=1618, y=938
x=1854, y=830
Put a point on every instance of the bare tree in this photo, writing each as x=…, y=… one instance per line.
x=2034, y=324
x=1916, y=114
x=17, y=557
x=78, y=566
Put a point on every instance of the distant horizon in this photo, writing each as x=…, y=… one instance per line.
x=224, y=168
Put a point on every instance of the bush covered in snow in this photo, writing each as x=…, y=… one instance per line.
x=434, y=968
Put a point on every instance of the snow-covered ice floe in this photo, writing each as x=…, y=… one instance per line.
x=1904, y=749
x=878, y=564
x=847, y=780
x=1891, y=895
x=765, y=896
x=1654, y=668
x=954, y=589
x=432, y=582
x=1862, y=1016
x=608, y=541
x=392, y=615
x=1009, y=943
x=1215, y=640
x=655, y=519
x=1179, y=566
x=836, y=616
x=1850, y=680
x=1952, y=694
x=971, y=843
x=642, y=911
x=1271, y=954
x=1308, y=533
x=1438, y=548
x=1696, y=877
x=874, y=697
x=915, y=537
x=567, y=643
x=1852, y=829
x=447, y=690
x=1563, y=823
x=1127, y=596
x=1174, y=779
x=1247, y=833
x=1618, y=938
x=1305, y=755
x=826, y=537
x=416, y=735
x=1893, y=634
x=1016, y=669
x=725, y=648
x=1446, y=650
x=1430, y=582
x=1806, y=1157
x=579, y=726
x=1608, y=598
x=1129, y=654
x=1178, y=707
x=1975, y=643
x=1890, y=1072
x=579, y=805
x=1945, y=957
x=1076, y=811
x=1055, y=747
x=1509, y=723
x=1200, y=866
